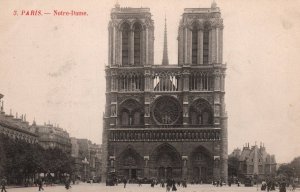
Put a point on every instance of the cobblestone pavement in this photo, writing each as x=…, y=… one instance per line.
x=84, y=187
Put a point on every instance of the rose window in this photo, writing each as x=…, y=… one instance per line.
x=166, y=110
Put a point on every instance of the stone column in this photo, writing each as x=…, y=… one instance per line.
x=146, y=167
x=185, y=109
x=217, y=46
x=185, y=45
x=216, y=169
x=185, y=75
x=213, y=45
x=189, y=47
x=180, y=46
x=184, y=167
x=224, y=156
x=114, y=46
x=146, y=46
x=120, y=48
x=210, y=47
x=109, y=45
x=220, y=45
x=105, y=165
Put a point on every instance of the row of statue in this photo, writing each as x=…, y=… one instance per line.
x=183, y=135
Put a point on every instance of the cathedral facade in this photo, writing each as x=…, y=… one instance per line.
x=165, y=120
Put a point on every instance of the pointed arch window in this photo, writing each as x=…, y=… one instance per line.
x=125, y=118
x=125, y=43
x=194, y=44
x=201, y=113
x=206, y=44
x=137, y=43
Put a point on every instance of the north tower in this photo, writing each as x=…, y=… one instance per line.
x=165, y=121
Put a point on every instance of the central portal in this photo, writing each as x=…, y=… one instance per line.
x=165, y=163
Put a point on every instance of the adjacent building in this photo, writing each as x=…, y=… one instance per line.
x=16, y=127
x=87, y=157
x=254, y=162
x=52, y=136
x=165, y=120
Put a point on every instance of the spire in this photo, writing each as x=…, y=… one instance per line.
x=165, y=60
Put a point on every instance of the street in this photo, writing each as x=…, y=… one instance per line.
x=84, y=187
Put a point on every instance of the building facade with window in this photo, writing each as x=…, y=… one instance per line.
x=16, y=127
x=165, y=120
x=51, y=136
x=255, y=162
x=84, y=149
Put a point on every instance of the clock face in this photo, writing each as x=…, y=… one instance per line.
x=166, y=110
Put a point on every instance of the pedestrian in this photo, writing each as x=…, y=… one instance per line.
x=125, y=182
x=152, y=183
x=162, y=183
x=67, y=183
x=3, y=184
x=169, y=184
x=40, y=184
x=282, y=187
x=184, y=183
x=174, y=185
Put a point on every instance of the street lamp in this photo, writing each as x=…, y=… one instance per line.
x=85, y=163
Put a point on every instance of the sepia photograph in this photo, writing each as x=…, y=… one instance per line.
x=141, y=95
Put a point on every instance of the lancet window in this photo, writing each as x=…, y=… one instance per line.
x=206, y=44
x=125, y=43
x=137, y=43
x=131, y=113
x=201, y=113
x=194, y=44
x=201, y=82
x=131, y=82
x=165, y=82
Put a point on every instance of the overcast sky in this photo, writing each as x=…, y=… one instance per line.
x=52, y=68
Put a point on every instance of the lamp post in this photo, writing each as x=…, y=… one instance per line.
x=85, y=163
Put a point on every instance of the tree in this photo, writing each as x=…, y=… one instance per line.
x=295, y=164
x=285, y=170
x=20, y=161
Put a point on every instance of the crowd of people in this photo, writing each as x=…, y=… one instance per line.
x=282, y=185
x=40, y=182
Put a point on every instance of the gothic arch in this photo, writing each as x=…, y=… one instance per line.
x=165, y=155
x=201, y=164
x=129, y=157
x=129, y=163
x=201, y=113
x=122, y=23
x=165, y=161
x=195, y=23
x=137, y=22
x=131, y=113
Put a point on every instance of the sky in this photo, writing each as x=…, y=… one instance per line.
x=52, y=67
